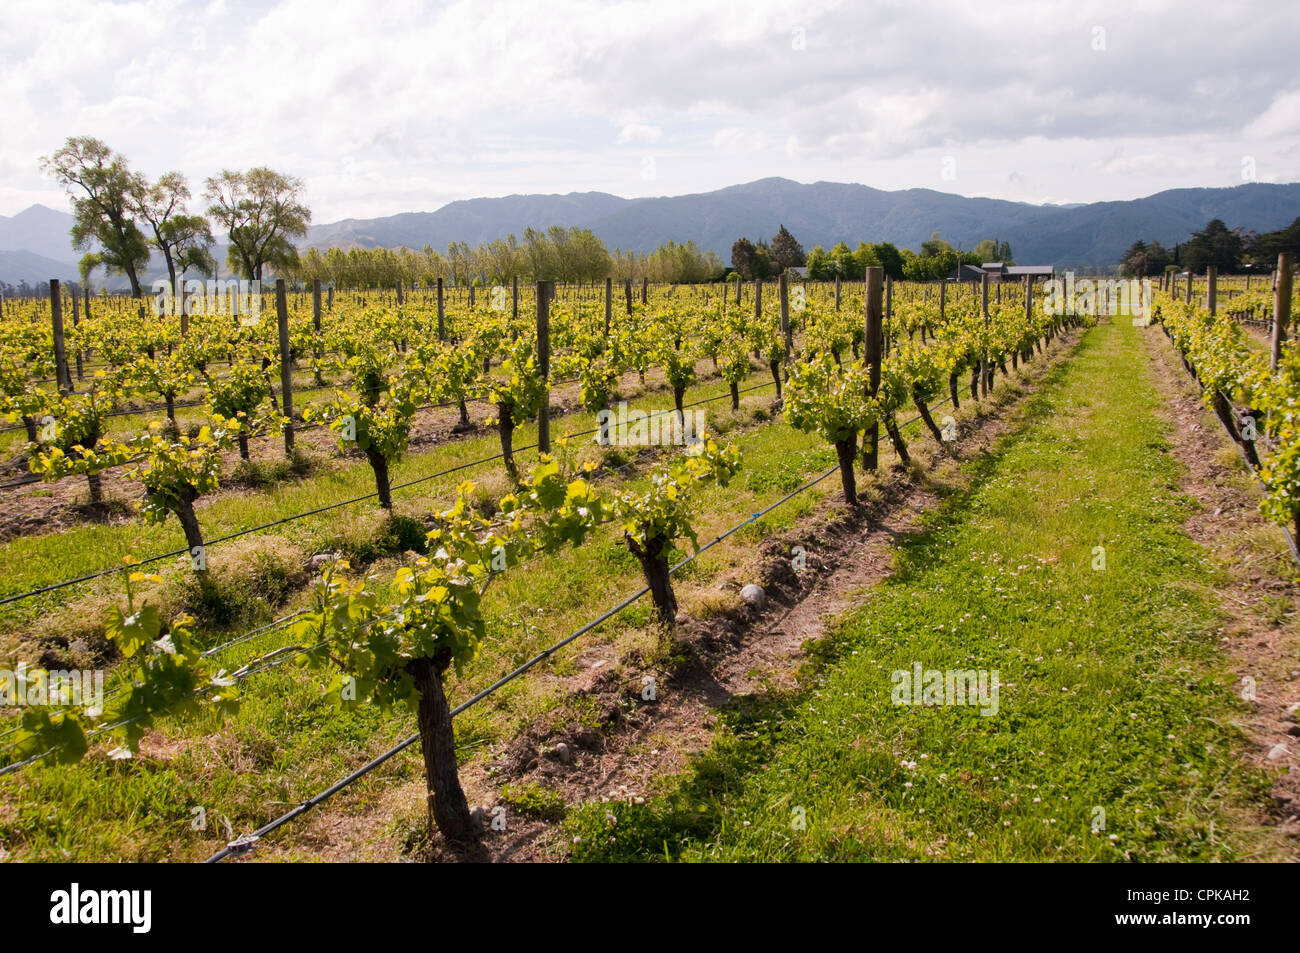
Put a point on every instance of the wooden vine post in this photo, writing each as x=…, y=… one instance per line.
x=783, y=293
x=545, y=291
x=609, y=304
x=442, y=320
x=76, y=319
x=1281, y=306
x=1029, y=312
x=985, y=371
x=286, y=365
x=60, y=353
x=871, y=347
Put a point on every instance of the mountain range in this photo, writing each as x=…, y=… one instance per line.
x=34, y=244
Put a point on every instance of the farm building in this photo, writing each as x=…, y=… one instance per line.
x=998, y=271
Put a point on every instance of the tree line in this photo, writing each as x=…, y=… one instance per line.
x=559, y=254
x=1231, y=251
x=936, y=260
x=122, y=218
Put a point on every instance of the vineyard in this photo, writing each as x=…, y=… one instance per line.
x=302, y=536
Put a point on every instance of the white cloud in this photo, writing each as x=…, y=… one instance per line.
x=1282, y=117
x=405, y=106
x=640, y=132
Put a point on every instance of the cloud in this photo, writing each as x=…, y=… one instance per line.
x=1282, y=117
x=427, y=104
x=640, y=132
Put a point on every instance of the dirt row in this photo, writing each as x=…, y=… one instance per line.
x=38, y=508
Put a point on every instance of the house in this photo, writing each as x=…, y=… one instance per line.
x=999, y=271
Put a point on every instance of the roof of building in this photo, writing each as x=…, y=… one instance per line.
x=1031, y=270
x=965, y=272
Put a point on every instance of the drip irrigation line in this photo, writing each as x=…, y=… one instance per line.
x=296, y=516
x=280, y=622
x=246, y=842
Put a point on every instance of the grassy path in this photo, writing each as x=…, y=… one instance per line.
x=1110, y=738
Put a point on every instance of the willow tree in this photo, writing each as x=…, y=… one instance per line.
x=262, y=212
x=102, y=185
x=183, y=239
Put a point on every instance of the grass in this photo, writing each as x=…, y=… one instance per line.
x=287, y=743
x=1113, y=737
x=38, y=560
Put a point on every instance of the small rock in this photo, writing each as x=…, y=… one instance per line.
x=79, y=645
x=320, y=560
x=754, y=595
x=1276, y=752
x=562, y=752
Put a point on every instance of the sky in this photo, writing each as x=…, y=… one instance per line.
x=405, y=106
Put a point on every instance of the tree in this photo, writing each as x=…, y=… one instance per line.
x=889, y=258
x=540, y=255
x=1142, y=260
x=1214, y=245
x=261, y=211
x=183, y=239
x=846, y=266
x=1266, y=247
x=1134, y=262
x=786, y=252
x=104, y=214
x=821, y=267
x=742, y=258
x=88, y=263
x=935, y=246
